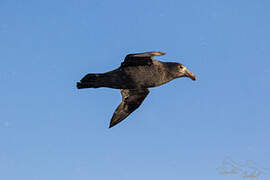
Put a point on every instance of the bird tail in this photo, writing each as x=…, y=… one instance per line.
x=83, y=85
x=92, y=81
x=110, y=79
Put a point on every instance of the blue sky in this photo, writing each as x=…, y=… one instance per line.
x=183, y=130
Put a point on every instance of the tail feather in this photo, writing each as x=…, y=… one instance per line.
x=110, y=80
x=81, y=85
x=90, y=81
x=90, y=78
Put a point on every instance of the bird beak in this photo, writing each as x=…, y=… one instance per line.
x=190, y=75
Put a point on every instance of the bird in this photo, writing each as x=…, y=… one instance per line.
x=136, y=74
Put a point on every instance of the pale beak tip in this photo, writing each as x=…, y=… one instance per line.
x=190, y=75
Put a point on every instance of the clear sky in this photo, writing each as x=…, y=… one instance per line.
x=49, y=130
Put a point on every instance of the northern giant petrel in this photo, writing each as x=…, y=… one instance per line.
x=136, y=74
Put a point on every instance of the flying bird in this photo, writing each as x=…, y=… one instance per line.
x=136, y=74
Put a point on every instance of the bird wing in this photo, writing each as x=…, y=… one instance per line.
x=141, y=59
x=131, y=100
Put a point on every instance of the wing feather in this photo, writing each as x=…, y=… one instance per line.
x=131, y=100
x=141, y=59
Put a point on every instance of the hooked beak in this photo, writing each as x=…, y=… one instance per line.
x=190, y=75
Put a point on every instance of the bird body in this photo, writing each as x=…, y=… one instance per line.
x=136, y=74
x=132, y=77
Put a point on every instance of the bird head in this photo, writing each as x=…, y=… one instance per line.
x=182, y=71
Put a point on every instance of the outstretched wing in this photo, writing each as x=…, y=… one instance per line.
x=131, y=100
x=141, y=59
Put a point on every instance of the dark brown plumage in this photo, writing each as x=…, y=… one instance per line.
x=136, y=74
